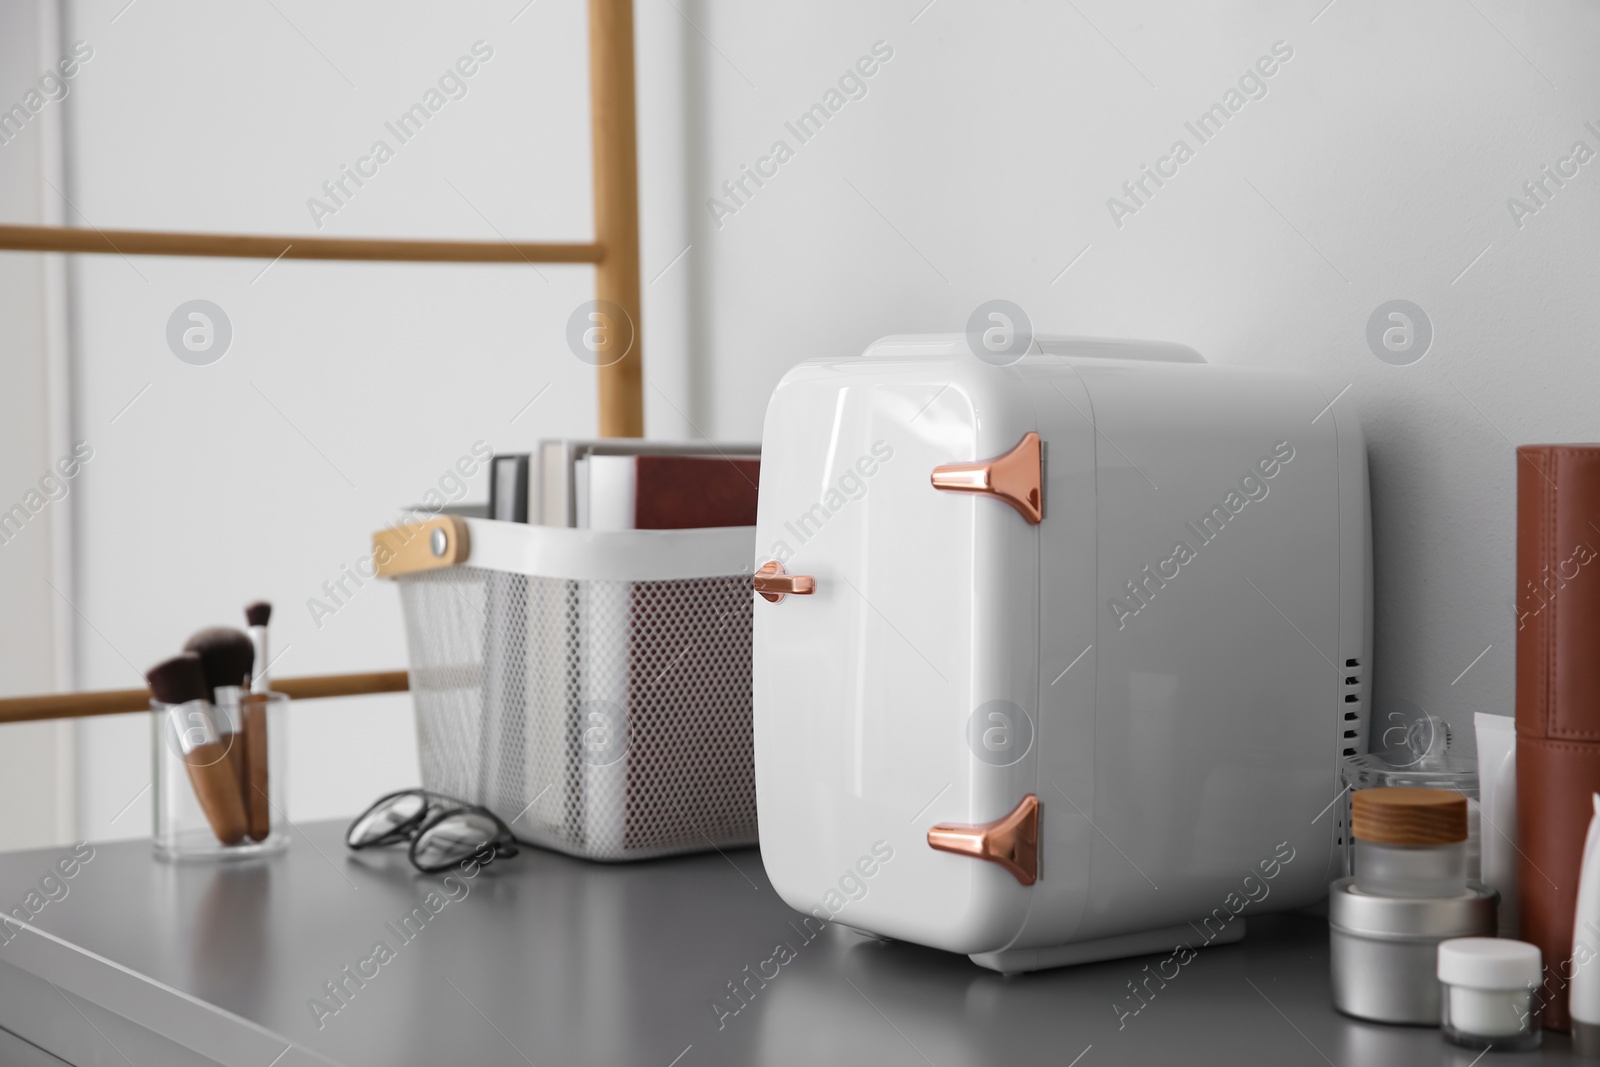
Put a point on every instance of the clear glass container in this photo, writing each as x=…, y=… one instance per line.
x=1411, y=870
x=1422, y=757
x=1506, y=1020
x=1488, y=993
x=218, y=776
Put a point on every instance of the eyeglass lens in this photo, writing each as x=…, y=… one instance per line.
x=453, y=838
x=385, y=817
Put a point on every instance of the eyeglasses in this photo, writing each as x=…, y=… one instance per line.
x=443, y=831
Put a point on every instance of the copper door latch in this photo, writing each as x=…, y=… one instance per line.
x=1011, y=841
x=1016, y=478
x=772, y=582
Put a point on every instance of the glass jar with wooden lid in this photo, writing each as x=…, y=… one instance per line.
x=1409, y=842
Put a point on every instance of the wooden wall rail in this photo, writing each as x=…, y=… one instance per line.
x=616, y=208
x=252, y=246
x=614, y=251
x=116, y=701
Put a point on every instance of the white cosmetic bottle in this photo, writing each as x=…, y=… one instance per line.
x=1497, y=807
x=1585, y=992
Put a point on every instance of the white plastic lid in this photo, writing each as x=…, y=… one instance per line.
x=1489, y=963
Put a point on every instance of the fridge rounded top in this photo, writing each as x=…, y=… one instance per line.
x=952, y=345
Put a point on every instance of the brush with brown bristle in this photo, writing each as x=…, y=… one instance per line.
x=255, y=724
x=226, y=656
x=181, y=683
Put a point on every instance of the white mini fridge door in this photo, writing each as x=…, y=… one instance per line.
x=901, y=691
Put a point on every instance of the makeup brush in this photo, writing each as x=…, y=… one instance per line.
x=255, y=725
x=258, y=614
x=181, y=682
x=226, y=656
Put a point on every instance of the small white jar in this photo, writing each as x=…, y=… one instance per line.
x=1486, y=993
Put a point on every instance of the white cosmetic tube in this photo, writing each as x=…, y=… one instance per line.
x=1585, y=992
x=1497, y=813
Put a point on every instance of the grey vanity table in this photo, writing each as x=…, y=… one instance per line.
x=547, y=960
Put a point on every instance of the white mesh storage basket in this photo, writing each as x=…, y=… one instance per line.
x=590, y=688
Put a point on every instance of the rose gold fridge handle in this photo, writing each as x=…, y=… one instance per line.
x=1011, y=841
x=1016, y=477
x=773, y=583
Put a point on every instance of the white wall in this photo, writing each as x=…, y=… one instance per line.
x=1377, y=167
x=35, y=543
x=978, y=166
x=348, y=390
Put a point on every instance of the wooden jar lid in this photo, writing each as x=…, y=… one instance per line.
x=1406, y=815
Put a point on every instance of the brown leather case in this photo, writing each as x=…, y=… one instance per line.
x=1558, y=695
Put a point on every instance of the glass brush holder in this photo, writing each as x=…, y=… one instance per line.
x=219, y=775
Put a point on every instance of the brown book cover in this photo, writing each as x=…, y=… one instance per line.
x=689, y=492
x=1558, y=696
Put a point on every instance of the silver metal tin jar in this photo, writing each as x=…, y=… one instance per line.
x=1385, y=949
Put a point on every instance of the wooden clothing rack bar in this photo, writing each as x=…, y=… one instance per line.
x=117, y=701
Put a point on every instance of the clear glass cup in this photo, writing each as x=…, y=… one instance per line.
x=212, y=800
x=1506, y=1020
